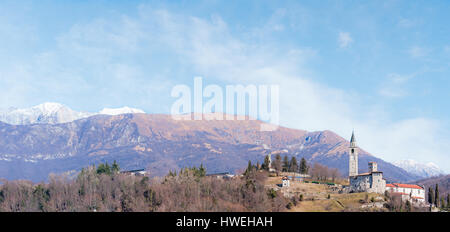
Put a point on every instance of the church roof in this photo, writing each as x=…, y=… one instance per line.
x=369, y=173
x=364, y=174
x=352, y=140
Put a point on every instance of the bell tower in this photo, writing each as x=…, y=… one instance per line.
x=353, y=157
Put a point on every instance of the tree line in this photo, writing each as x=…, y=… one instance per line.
x=317, y=171
x=285, y=165
x=105, y=189
x=434, y=198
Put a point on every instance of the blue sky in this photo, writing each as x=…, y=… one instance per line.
x=379, y=67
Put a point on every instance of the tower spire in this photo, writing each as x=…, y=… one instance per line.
x=353, y=156
x=353, y=139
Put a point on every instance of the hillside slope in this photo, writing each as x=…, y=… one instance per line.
x=442, y=181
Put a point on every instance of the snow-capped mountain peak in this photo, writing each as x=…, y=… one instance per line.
x=420, y=169
x=49, y=107
x=123, y=110
x=44, y=108
x=53, y=113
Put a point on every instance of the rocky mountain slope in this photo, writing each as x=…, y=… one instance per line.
x=159, y=143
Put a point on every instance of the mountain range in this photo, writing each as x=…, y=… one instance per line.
x=423, y=170
x=160, y=143
x=53, y=113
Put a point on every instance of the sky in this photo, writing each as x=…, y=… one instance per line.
x=381, y=68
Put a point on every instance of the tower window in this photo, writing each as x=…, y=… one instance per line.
x=353, y=150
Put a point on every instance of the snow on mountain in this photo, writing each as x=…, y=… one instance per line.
x=53, y=113
x=419, y=169
x=123, y=110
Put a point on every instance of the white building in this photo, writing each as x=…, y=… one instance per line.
x=138, y=172
x=285, y=182
x=407, y=191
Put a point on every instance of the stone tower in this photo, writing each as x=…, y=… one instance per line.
x=353, y=157
x=373, y=167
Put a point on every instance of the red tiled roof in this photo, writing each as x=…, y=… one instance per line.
x=390, y=185
x=414, y=186
x=364, y=174
x=418, y=197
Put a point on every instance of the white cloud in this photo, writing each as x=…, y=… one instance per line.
x=344, y=39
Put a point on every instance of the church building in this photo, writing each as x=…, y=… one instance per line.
x=371, y=181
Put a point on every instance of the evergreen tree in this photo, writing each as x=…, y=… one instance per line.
x=266, y=164
x=285, y=164
x=408, y=206
x=448, y=200
x=436, y=196
x=293, y=165
x=249, y=168
x=115, y=167
x=303, y=166
x=107, y=168
x=430, y=196
x=202, y=171
x=104, y=169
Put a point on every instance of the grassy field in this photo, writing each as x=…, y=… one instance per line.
x=315, y=197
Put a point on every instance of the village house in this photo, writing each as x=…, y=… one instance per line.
x=409, y=192
x=137, y=172
x=285, y=182
x=223, y=175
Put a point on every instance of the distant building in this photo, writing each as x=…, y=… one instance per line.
x=223, y=175
x=285, y=182
x=371, y=181
x=137, y=172
x=410, y=192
